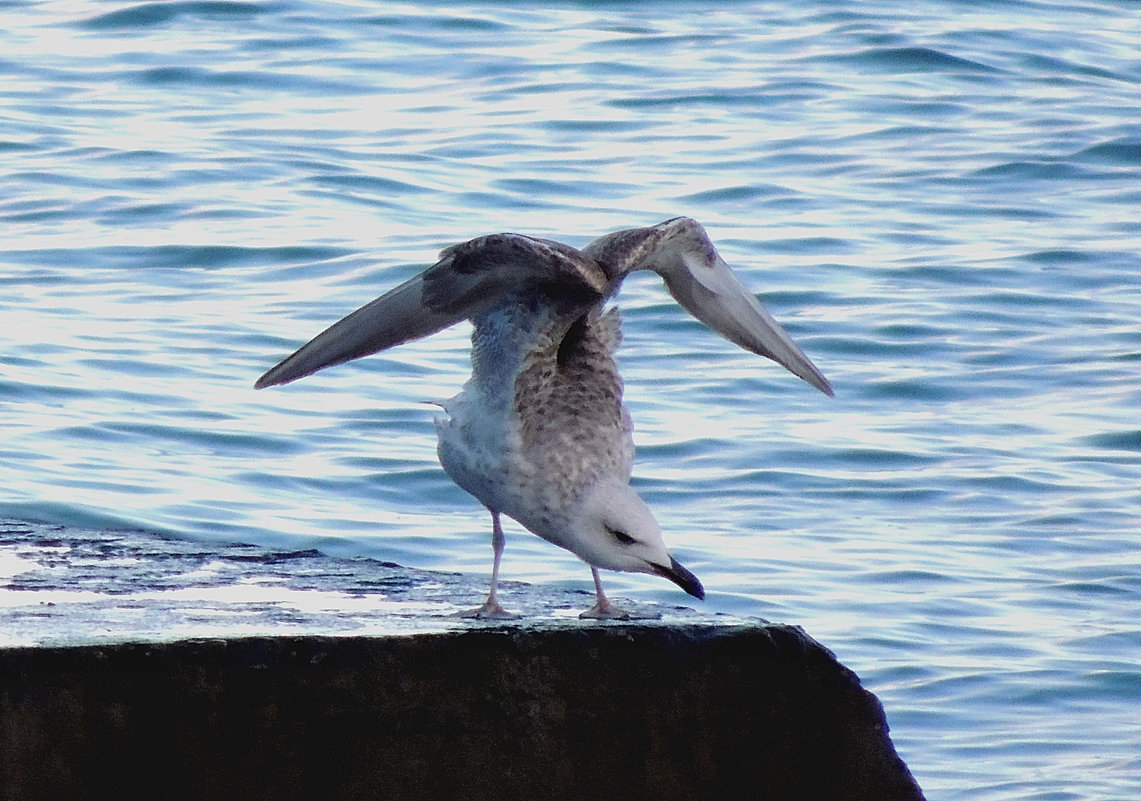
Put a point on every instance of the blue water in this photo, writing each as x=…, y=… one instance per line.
x=940, y=201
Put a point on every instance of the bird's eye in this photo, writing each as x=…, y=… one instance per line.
x=621, y=536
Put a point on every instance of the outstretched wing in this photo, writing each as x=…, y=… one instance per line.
x=468, y=279
x=680, y=252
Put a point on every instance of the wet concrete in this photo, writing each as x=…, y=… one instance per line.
x=75, y=587
x=136, y=666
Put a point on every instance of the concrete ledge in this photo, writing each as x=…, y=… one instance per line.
x=620, y=711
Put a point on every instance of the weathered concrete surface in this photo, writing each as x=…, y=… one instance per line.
x=81, y=587
x=615, y=712
x=137, y=666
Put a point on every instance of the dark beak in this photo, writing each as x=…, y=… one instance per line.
x=681, y=577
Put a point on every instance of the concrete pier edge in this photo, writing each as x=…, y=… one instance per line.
x=139, y=666
x=617, y=711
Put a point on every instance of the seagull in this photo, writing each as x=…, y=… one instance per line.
x=539, y=432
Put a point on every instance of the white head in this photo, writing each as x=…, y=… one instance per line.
x=616, y=530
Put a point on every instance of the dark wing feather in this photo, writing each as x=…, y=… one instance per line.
x=680, y=252
x=468, y=279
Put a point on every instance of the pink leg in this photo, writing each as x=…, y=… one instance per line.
x=491, y=607
x=603, y=609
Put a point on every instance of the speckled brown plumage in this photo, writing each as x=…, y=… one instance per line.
x=539, y=432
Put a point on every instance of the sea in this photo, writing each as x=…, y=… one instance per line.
x=941, y=201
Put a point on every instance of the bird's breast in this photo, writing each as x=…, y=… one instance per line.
x=541, y=419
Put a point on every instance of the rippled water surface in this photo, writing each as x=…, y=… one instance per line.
x=939, y=200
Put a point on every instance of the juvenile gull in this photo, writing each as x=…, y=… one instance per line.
x=539, y=432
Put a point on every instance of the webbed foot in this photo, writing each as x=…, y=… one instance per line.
x=491, y=610
x=604, y=610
